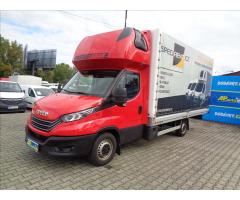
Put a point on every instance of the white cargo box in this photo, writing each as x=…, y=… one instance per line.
x=26, y=79
x=180, y=80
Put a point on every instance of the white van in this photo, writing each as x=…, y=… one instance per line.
x=34, y=93
x=202, y=93
x=190, y=90
x=11, y=97
x=202, y=89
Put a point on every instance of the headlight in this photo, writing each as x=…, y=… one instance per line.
x=77, y=115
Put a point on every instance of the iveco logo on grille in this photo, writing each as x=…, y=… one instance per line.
x=42, y=112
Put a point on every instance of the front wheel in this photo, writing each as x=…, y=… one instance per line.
x=103, y=149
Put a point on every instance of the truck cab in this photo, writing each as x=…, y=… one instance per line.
x=103, y=106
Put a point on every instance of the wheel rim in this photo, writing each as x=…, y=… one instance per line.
x=184, y=128
x=104, y=150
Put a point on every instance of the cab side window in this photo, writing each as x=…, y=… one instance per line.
x=31, y=93
x=131, y=82
x=132, y=85
x=203, y=90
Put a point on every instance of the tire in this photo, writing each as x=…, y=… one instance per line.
x=183, y=129
x=103, y=150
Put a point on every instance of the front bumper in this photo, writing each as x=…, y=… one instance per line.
x=62, y=146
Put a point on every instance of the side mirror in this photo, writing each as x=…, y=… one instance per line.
x=119, y=96
x=59, y=89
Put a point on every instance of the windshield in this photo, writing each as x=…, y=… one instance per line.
x=199, y=87
x=189, y=86
x=93, y=82
x=193, y=86
x=43, y=91
x=9, y=87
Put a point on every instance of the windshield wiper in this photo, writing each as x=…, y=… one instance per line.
x=75, y=92
x=10, y=91
x=82, y=93
x=68, y=91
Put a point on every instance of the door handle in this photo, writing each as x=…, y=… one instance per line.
x=140, y=109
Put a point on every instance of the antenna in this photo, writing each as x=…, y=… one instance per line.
x=125, y=19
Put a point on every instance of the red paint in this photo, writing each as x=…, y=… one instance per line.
x=60, y=104
x=101, y=51
x=4, y=79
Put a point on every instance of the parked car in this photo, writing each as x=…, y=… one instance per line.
x=54, y=88
x=34, y=93
x=11, y=97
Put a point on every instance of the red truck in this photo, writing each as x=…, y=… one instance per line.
x=131, y=84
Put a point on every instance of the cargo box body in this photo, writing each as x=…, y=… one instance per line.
x=26, y=79
x=180, y=78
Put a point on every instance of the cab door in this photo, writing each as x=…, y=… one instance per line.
x=129, y=116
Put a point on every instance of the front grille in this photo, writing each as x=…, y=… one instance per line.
x=44, y=125
x=12, y=101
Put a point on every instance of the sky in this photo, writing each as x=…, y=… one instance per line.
x=214, y=33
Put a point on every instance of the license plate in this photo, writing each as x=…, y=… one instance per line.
x=12, y=107
x=33, y=145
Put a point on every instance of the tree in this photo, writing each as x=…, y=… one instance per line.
x=15, y=56
x=11, y=57
x=4, y=46
x=62, y=73
x=47, y=75
x=5, y=70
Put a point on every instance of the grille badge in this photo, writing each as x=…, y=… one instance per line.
x=42, y=112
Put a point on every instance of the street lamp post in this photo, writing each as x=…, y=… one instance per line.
x=125, y=19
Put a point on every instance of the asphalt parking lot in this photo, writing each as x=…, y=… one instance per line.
x=208, y=157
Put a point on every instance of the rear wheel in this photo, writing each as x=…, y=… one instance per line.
x=103, y=149
x=183, y=129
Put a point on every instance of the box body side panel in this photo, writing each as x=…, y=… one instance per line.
x=183, y=79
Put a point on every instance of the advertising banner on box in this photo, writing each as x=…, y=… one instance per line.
x=226, y=83
x=225, y=100
x=223, y=114
x=228, y=99
x=184, y=79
